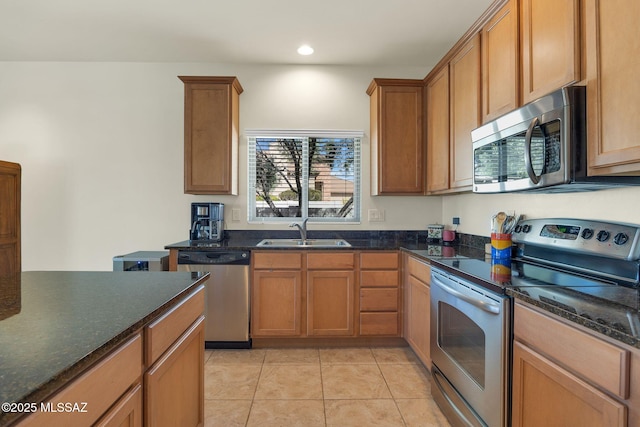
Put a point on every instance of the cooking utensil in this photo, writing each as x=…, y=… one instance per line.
x=499, y=221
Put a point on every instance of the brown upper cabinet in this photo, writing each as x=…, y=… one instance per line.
x=465, y=107
x=10, y=174
x=550, y=46
x=500, y=62
x=211, y=132
x=437, y=97
x=613, y=88
x=453, y=105
x=397, y=154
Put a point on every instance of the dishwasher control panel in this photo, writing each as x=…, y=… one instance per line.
x=214, y=257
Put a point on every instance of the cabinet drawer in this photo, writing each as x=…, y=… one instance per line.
x=384, y=278
x=100, y=387
x=168, y=328
x=379, y=323
x=277, y=260
x=575, y=350
x=331, y=260
x=383, y=299
x=419, y=269
x=379, y=260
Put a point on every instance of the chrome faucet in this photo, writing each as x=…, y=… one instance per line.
x=302, y=228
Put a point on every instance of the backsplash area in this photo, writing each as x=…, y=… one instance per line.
x=415, y=237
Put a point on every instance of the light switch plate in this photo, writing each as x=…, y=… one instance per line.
x=235, y=214
x=376, y=215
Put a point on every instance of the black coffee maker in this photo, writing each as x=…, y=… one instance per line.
x=207, y=222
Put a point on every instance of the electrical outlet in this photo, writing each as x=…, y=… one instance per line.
x=235, y=214
x=456, y=220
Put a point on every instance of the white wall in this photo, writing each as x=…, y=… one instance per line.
x=475, y=210
x=101, y=149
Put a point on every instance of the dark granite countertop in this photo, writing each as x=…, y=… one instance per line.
x=55, y=324
x=594, y=325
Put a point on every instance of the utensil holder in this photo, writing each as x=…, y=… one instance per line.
x=501, y=246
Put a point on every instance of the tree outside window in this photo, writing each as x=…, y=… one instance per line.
x=304, y=176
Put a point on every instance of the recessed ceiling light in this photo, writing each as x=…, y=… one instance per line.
x=305, y=49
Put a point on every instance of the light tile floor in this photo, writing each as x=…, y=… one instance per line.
x=318, y=387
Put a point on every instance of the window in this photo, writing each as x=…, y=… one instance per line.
x=313, y=174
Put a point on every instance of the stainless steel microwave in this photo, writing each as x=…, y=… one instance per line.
x=540, y=146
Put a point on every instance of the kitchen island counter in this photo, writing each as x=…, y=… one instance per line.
x=61, y=323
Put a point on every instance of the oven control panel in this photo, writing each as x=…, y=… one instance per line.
x=609, y=239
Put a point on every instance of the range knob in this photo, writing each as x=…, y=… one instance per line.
x=587, y=233
x=603, y=236
x=526, y=228
x=517, y=229
x=620, y=239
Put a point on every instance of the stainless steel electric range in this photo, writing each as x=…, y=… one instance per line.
x=590, y=270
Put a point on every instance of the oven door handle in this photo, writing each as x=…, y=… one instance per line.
x=489, y=307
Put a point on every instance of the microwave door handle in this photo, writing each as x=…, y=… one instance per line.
x=527, y=151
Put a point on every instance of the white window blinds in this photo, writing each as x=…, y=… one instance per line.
x=297, y=174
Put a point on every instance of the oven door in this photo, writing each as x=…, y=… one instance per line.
x=470, y=344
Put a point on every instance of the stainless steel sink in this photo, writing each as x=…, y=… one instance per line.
x=299, y=243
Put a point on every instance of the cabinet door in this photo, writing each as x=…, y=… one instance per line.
x=330, y=302
x=546, y=395
x=438, y=131
x=613, y=87
x=126, y=413
x=276, y=301
x=465, y=111
x=418, y=319
x=174, y=386
x=9, y=221
x=397, y=143
x=211, y=135
x=550, y=46
x=500, y=62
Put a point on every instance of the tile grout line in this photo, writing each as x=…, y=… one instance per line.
x=255, y=390
x=395, y=403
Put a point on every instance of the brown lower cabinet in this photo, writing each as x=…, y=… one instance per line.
x=380, y=294
x=323, y=294
x=416, y=280
x=155, y=378
x=127, y=412
x=566, y=376
x=10, y=264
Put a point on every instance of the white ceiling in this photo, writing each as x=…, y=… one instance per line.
x=342, y=32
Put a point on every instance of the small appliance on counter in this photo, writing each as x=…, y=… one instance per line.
x=142, y=261
x=449, y=237
x=434, y=233
x=207, y=222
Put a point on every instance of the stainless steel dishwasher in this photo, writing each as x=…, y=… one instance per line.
x=227, y=295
